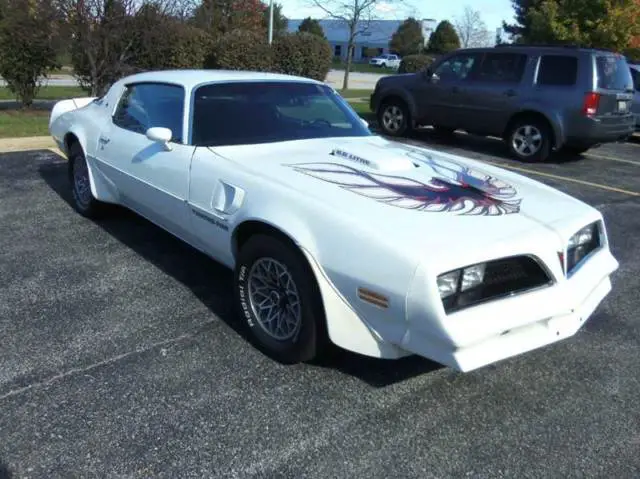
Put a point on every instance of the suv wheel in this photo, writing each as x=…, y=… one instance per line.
x=393, y=117
x=529, y=139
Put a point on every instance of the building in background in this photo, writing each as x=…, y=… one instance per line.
x=375, y=38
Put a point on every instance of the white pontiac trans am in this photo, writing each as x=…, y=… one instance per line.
x=334, y=233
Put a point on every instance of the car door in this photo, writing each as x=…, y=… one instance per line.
x=152, y=178
x=442, y=96
x=494, y=93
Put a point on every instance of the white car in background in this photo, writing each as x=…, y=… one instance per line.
x=334, y=233
x=387, y=60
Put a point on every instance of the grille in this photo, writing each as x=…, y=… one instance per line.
x=503, y=277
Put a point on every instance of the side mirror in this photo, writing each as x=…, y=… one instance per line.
x=160, y=135
x=364, y=122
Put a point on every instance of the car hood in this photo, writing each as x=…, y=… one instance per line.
x=411, y=193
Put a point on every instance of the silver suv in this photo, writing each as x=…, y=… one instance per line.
x=537, y=98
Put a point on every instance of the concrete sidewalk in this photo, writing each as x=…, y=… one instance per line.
x=8, y=145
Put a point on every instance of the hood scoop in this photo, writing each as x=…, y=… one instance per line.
x=375, y=157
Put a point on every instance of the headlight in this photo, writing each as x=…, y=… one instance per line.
x=582, y=237
x=581, y=244
x=448, y=283
x=451, y=282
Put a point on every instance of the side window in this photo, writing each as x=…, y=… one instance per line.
x=558, y=70
x=145, y=105
x=457, y=67
x=502, y=68
x=635, y=74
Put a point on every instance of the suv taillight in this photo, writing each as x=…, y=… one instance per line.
x=590, y=105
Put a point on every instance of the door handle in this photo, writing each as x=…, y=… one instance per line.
x=510, y=93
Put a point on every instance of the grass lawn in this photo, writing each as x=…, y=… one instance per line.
x=21, y=123
x=48, y=93
x=362, y=68
x=355, y=93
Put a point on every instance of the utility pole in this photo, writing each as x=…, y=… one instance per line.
x=270, y=21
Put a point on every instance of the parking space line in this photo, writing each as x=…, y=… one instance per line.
x=610, y=158
x=564, y=178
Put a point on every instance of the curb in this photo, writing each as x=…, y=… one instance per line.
x=29, y=143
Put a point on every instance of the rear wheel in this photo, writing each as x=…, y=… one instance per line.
x=83, y=200
x=529, y=139
x=279, y=300
x=393, y=117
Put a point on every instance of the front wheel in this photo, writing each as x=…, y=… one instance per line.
x=279, y=300
x=393, y=118
x=529, y=140
x=83, y=200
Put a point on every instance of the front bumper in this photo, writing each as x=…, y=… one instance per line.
x=501, y=329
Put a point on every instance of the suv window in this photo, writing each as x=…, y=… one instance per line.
x=502, y=67
x=145, y=105
x=457, y=67
x=613, y=72
x=635, y=74
x=558, y=70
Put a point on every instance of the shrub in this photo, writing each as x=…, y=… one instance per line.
x=27, y=47
x=302, y=54
x=241, y=50
x=414, y=63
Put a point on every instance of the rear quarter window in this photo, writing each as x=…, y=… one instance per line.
x=558, y=70
x=613, y=72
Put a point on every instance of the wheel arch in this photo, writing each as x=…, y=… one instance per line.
x=341, y=323
x=397, y=94
x=552, y=123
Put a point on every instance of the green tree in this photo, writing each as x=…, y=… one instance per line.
x=408, y=38
x=27, y=39
x=280, y=22
x=444, y=39
x=594, y=23
x=311, y=25
x=303, y=54
x=519, y=31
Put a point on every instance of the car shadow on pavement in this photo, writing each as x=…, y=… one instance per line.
x=5, y=472
x=211, y=283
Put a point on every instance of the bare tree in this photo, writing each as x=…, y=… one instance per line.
x=99, y=32
x=356, y=15
x=471, y=29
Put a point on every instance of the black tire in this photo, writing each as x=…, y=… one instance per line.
x=542, y=148
x=82, y=200
x=309, y=337
x=393, y=107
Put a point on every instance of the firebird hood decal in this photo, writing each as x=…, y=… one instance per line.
x=451, y=188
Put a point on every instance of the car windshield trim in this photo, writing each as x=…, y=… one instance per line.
x=267, y=111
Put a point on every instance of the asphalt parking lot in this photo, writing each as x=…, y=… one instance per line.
x=121, y=357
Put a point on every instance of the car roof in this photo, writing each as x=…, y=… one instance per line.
x=191, y=78
x=521, y=47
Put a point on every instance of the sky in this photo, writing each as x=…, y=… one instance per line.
x=493, y=11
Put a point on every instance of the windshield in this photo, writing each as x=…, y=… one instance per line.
x=245, y=113
x=613, y=72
